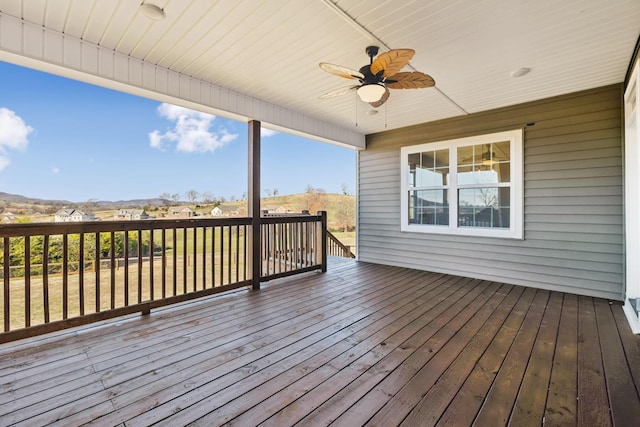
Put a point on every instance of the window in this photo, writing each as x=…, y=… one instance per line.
x=468, y=186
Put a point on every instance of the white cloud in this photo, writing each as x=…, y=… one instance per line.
x=55, y=171
x=266, y=133
x=13, y=134
x=191, y=131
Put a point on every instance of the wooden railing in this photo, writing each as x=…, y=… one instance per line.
x=336, y=248
x=59, y=275
x=293, y=244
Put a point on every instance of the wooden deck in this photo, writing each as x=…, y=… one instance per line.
x=360, y=345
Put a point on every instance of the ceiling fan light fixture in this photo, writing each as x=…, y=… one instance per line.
x=152, y=11
x=371, y=92
x=487, y=158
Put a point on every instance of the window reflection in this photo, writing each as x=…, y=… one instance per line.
x=483, y=166
x=469, y=186
x=484, y=207
x=429, y=169
x=428, y=207
x=484, y=163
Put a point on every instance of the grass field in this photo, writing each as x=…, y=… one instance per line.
x=224, y=249
x=139, y=287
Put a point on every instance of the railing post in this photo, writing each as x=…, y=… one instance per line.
x=7, y=288
x=322, y=240
x=254, y=203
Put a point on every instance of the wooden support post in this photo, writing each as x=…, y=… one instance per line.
x=254, y=203
x=7, y=284
x=322, y=244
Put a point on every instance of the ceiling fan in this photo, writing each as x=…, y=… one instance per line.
x=379, y=76
x=487, y=157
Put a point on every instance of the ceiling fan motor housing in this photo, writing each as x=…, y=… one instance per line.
x=372, y=51
x=370, y=78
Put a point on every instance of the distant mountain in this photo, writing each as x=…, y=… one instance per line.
x=131, y=203
x=15, y=198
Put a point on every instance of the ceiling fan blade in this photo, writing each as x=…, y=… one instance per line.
x=413, y=80
x=338, y=92
x=391, y=62
x=341, y=71
x=382, y=100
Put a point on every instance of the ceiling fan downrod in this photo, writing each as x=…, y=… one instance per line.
x=371, y=51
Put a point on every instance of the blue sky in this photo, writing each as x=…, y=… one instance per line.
x=63, y=139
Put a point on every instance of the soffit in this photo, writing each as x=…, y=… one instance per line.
x=270, y=49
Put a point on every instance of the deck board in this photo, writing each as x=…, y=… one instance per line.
x=625, y=410
x=432, y=405
x=593, y=402
x=561, y=407
x=363, y=344
x=529, y=407
x=372, y=374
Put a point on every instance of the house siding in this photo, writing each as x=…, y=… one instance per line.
x=573, y=204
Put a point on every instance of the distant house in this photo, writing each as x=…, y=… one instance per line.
x=78, y=216
x=73, y=215
x=64, y=215
x=181, y=212
x=275, y=209
x=225, y=211
x=130, y=214
x=8, y=218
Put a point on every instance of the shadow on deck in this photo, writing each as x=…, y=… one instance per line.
x=361, y=344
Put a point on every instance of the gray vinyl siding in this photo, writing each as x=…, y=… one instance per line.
x=573, y=206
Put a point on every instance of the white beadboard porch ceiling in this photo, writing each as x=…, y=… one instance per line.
x=269, y=50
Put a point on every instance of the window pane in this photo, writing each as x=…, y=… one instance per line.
x=501, y=151
x=484, y=163
x=502, y=171
x=428, y=169
x=469, y=175
x=428, y=207
x=442, y=158
x=413, y=160
x=465, y=155
x=431, y=178
x=484, y=207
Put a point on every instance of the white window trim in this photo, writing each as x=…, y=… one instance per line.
x=516, y=183
x=632, y=195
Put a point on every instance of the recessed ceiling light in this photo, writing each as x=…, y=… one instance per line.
x=152, y=11
x=520, y=72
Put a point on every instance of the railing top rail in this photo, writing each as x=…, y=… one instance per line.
x=54, y=228
x=290, y=219
x=341, y=245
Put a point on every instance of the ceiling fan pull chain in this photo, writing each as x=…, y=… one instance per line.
x=385, y=115
x=356, y=98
